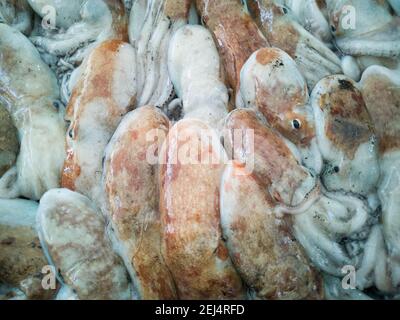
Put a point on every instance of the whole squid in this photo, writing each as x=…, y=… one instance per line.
x=262, y=247
x=29, y=91
x=380, y=88
x=131, y=186
x=106, y=91
x=72, y=234
x=321, y=219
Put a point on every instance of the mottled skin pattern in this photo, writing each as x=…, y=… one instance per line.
x=236, y=34
x=380, y=88
x=274, y=163
x=262, y=247
x=346, y=136
x=8, y=141
x=177, y=9
x=105, y=92
x=131, y=183
x=193, y=247
x=280, y=94
x=73, y=232
x=29, y=91
x=382, y=98
x=347, y=121
x=21, y=254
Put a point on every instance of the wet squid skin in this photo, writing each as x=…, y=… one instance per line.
x=105, y=92
x=131, y=186
x=195, y=70
x=274, y=162
x=192, y=163
x=272, y=84
x=314, y=58
x=9, y=145
x=152, y=23
x=262, y=247
x=380, y=88
x=72, y=234
x=333, y=130
x=321, y=219
x=346, y=137
x=343, y=119
x=29, y=91
x=21, y=255
x=237, y=36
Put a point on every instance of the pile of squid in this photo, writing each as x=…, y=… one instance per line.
x=205, y=149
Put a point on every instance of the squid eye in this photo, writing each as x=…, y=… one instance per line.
x=285, y=10
x=336, y=169
x=333, y=28
x=71, y=133
x=296, y=124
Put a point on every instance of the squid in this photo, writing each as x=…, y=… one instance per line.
x=72, y=234
x=131, y=186
x=314, y=58
x=380, y=88
x=106, y=91
x=269, y=259
x=236, y=35
x=192, y=162
x=195, y=70
x=321, y=219
x=346, y=137
x=152, y=23
x=29, y=91
x=21, y=257
x=272, y=84
x=273, y=159
x=332, y=130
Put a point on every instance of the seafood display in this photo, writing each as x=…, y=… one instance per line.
x=199, y=149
